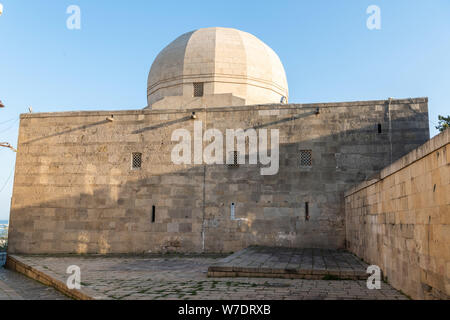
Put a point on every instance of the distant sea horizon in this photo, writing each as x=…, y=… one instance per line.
x=3, y=227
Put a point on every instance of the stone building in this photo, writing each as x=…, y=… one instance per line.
x=107, y=182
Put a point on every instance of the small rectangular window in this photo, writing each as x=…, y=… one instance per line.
x=136, y=160
x=153, y=214
x=379, y=128
x=305, y=158
x=198, y=89
x=234, y=159
x=233, y=209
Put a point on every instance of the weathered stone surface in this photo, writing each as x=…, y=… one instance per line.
x=76, y=192
x=266, y=262
x=400, y=221
x=183, y=277
x=14, y=286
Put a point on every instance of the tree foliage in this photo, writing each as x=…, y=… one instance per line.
x=444, y=123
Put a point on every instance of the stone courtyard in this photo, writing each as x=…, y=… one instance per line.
x=185, y=277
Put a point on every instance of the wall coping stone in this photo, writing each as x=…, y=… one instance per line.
x=224, y=109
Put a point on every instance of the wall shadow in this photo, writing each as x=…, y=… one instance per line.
x=94, y=209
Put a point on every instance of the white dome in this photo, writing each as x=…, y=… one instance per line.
x=232, y=67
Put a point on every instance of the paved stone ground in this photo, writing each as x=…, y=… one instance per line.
x=169, y=277
x=291, y=263
x=14, y=286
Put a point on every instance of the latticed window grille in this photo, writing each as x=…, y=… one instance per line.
x=234, y=157
x=306, y=158
x=198, y=89
x=136, y=160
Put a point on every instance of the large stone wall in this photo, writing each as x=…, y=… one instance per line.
x=75, y=191
x=401, y=221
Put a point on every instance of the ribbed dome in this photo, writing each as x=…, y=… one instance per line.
x=232, y=67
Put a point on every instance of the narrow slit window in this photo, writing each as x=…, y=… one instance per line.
x=306, y=158
x=153, y=214
x=136, y=160
x=198, y=89
x=380, y=129
x=233, y=210
x=306, y=211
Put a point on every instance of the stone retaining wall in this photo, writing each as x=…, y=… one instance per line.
x=401, y=221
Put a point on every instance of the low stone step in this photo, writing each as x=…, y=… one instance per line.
x=288, y=263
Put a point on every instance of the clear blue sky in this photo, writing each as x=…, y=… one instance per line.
x=325, y=46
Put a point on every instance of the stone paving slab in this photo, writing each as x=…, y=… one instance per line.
x=14, y=286
x=184, y=277
x=269, y=262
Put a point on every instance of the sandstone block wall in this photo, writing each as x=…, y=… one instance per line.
x=75, y=190
x=401, y=221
